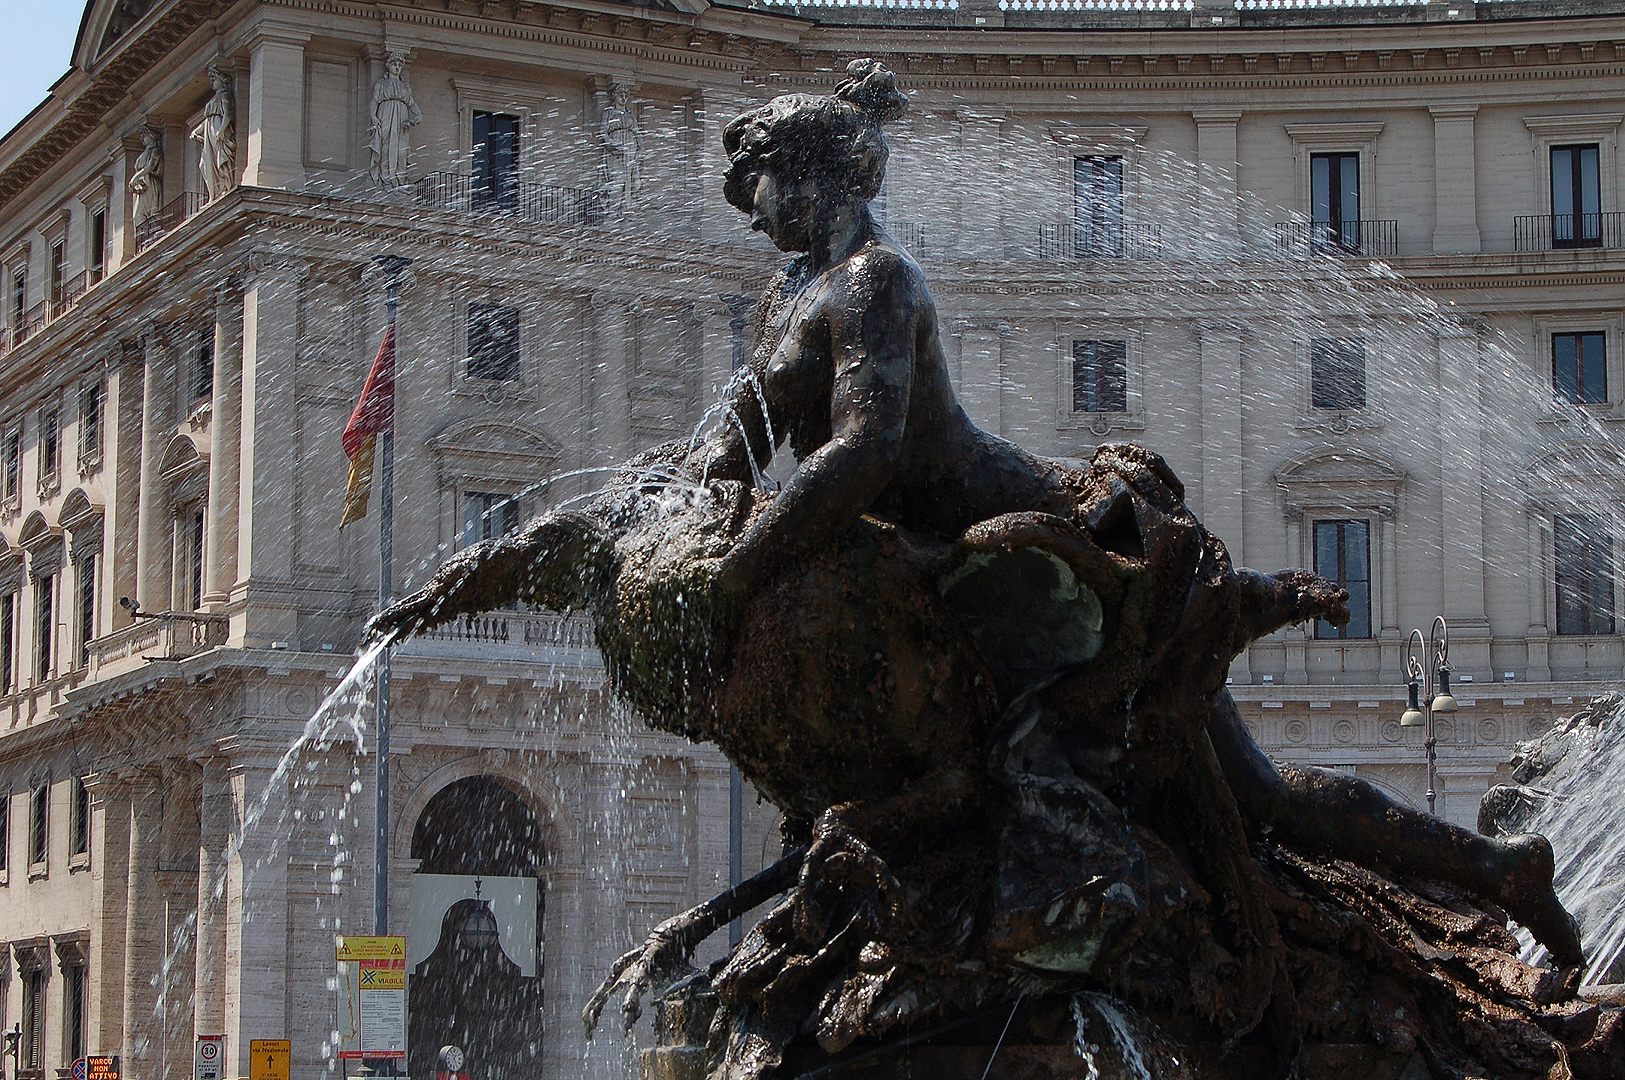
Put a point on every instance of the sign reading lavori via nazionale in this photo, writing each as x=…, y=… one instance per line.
x=373, y=973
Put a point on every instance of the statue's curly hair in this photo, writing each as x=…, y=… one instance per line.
x=835, y=140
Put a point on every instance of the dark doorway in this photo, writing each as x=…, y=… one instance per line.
x=469, y=992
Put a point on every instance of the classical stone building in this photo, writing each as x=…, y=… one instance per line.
x=1359, y=272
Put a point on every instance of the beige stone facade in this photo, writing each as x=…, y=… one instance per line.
x=176, y=369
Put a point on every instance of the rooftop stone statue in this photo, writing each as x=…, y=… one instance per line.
x=987, y=692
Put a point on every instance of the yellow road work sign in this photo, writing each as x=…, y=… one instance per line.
x=371, y=948
x=268, y=1059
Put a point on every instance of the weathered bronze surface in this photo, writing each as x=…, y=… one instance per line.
x=987, y=692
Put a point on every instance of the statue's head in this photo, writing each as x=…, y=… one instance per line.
x=811, y=153
x=219, y=78
x=395, y=61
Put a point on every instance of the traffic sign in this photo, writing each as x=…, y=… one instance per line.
x=102, y=1067
x=268, y=1059
x=209, y=1057
x=352, y=949
x=80, y=1070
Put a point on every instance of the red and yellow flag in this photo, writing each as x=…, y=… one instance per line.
x=374, y=414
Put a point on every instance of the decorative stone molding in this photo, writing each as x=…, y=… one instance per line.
x=1340, y=480
x=476, y=450
x=1360, y=138
x=1548, y=131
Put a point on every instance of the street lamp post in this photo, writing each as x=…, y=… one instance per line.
x=1427, y=663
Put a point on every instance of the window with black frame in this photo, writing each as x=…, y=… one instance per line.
x=39, y=824
x=79, y=834
x=1097, y=206
x=1337, y=373
x=1334, y=200
x=1584, y=554
x=1099, y=376
x=1580, y=367
x=1576, y=196
x=493, y=342
x=44, y=626
x=1343, y=554
x=32, y=1041
x=73, y=1005
x=8, y=642
x=203, y=363
x=487, y=516
x=495, y=161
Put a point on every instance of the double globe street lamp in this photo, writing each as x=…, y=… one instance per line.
x=1427, y=662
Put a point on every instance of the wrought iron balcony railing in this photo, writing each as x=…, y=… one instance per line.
x=1556, y=232
x=172, y=214
x=65, y=297
x=1377, y=239
x=1128, y=240
x=532, y=202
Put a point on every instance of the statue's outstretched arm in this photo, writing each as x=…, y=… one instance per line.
x=554, y=561
x=1325, y=811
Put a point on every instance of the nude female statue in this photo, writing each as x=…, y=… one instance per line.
x=850, y=372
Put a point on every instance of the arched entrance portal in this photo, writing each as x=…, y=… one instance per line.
x=475, y=940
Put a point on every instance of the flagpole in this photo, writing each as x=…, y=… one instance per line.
x=392, y=266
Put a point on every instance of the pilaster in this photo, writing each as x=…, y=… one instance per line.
x=214, y=843
x=611, y=363
x=1222, y=505
x=123, y=459
x=276, y=109
x=1218, y=161
x=981, y=374
x=255, y=976
x=152, y=518
x=225, y=463
x=144, y=936
x=109, y=877
x=1461, y=476
x=1455, y=180
x=981, y=183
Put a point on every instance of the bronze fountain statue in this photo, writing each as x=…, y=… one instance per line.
x=987, y=693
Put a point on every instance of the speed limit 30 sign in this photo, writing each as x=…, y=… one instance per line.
x=208, y=1062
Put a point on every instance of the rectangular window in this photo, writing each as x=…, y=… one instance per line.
x=1337, y=373
x=1576, y=197
x=33, y=1030
x=98, y=246
x=493, y=342
x=14, y=464
x=496, y=161
x=1334, y=200
x=203, y=364
x=189, y=525
x=59, y=274
x=19, y=297
x=39, y=808
x=1099, y=376
x=1579, y=368
x=8, y=643
x=1585, y=575
x=81, y=818
x=5, y=832
x=1343, y=554
x=44, y=625
x=73, y=1003
x=50, y=446
x=90, y=420
x=86, y=608
x=487, y=516
x=1097, y=206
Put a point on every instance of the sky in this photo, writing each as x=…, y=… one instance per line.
x=36, y=46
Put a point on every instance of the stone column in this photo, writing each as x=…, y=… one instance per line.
x=609, y=402
x=712, y=110
x=267, y=458
x=981, y=184
x=276, y=109
x=1219, y=494
x=1542, y=592
x=109, y=878
x=152, y=516
x=1461, y=477
x=256, y=905
x=121, y=451
x=1455, y=180
x=1218, y=162
x=225, y=463
x=144, y=942
x=981, y=374
x=215, y=822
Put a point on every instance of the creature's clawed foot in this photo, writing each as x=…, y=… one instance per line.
x=660, y=958
x=1530, y=898
x=839, y=862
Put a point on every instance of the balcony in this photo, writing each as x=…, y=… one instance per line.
x=169, y=217
x=1377, y=239
x=64, y=299
x=166, y=635
x=1560, y=232
x=542, y=636
x=1066, y=240
x=532, y=202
